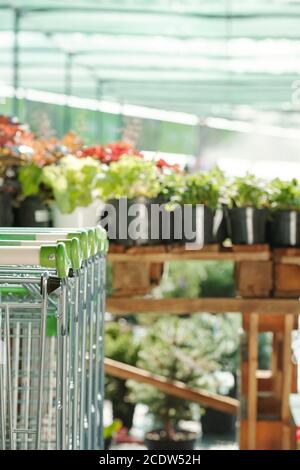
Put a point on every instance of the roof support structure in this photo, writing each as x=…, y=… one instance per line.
x=98, y=115
x=68, y=91
x=16, y=60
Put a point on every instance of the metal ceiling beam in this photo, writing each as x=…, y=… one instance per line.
x=68, y=92
x=16, y=59
x=227, y=14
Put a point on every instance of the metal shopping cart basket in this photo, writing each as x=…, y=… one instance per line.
x=52, y=303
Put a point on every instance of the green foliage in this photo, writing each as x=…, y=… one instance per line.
x=247, y=191
x=110, y=430
x=222, y=333
x=204, y=188
x=194, y=278
x=171, y=186
x=30, y=178
x=264, y=350
x=181, y=279
x=173, y=349
x=120, y=345
x=218, y=280
x=72, y=182
x=129, y=177
x=284, y=195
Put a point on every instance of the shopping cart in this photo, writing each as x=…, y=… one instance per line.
x=52, y=301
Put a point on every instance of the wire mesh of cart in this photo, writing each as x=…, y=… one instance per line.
x=52, y=304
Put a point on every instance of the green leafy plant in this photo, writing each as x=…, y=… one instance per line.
x=130, y=177
x=112, y=428
x=30, y=178
x=73, y=182
x=284, y=195
x=170, y=350
x=247, y=191
x=120, y=345
x=222, y=333
x=171, y=186
x=203, y=188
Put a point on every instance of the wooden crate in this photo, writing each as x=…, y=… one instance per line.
x=128, y=276
x=254, y=278
x=286, y=280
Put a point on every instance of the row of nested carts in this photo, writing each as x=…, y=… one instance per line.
x=52, y=304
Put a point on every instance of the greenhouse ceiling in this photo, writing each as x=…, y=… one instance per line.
x=206, y=57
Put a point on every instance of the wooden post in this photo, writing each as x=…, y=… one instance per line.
x=252, y=380
x=286, y=382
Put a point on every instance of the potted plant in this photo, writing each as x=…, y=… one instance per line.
x=169, y=350
x=8, y=190
x=74, y=193
x=204, y=189
x=129, y=186
x=248, y=210
x=32, y=209
x=14, y=151
x=285, y=212
x=120, y=345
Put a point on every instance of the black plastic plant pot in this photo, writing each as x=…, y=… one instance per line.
x=6, y=212
x=198, y=225
x=131, y=222
x=33, y=212
x=184, y=441
x=285, y=228
x=220, y=230
x=248, y=225
x=215, y=422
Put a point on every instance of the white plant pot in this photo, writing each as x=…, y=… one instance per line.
x=79, y=218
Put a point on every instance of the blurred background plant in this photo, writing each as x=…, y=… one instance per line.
x=121, y=345
x=172, y=350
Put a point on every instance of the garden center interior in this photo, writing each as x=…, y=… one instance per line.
x=167, y=103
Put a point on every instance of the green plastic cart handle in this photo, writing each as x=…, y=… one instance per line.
x=55, y=256
x=92, y=241
x=82, y=236
x=75, y=255
x=73, y=248
x=102, y=240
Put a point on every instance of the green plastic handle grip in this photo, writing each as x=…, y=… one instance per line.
x=82, y=236
x=56, y=257
x=102, y=240
x=92, y=241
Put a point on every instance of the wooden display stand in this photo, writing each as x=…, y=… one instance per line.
x=268, y=288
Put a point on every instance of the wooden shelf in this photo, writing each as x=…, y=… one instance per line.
x=163, y=253
x=125, y=305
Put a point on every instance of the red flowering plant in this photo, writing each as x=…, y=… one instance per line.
x=15, y=149
x=110, y=152
x=162, y=165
